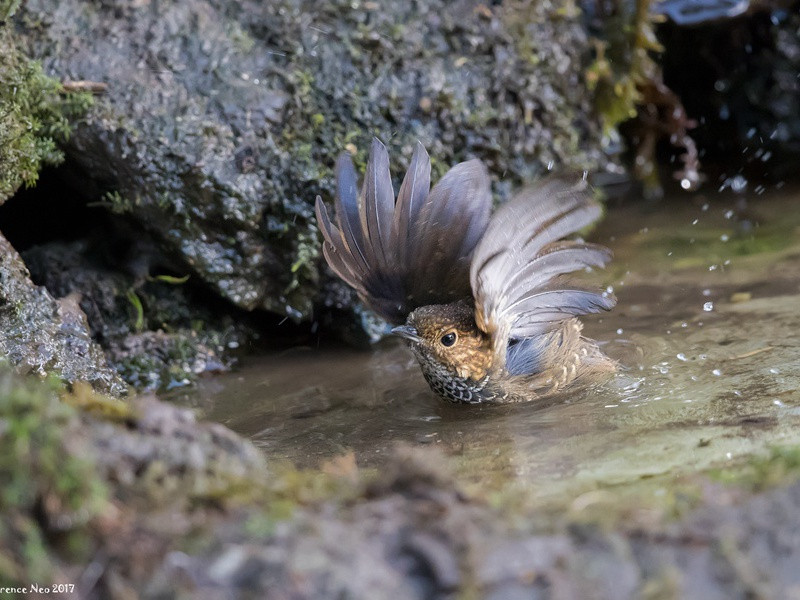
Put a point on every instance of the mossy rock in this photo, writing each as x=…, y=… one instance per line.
x=34, y=115
x=222, y=120
x=49, y=486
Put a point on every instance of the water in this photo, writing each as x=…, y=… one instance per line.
x=707, y=329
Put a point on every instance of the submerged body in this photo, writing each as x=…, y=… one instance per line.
x=467, y=374
x=482, y=302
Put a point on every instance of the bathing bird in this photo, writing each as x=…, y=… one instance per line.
x=483, y=301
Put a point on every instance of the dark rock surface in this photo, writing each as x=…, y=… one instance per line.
x=221, y=120
x=157, y=334
x=42, y=335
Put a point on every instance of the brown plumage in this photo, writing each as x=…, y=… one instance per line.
x=482, y=303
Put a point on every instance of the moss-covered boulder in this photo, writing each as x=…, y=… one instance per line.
x=84, y=476
x=140, y=499
x=221, y=120
x=37, y=332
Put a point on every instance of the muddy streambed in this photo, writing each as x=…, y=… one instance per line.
x=707, y=329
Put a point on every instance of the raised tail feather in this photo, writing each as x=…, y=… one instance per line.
x=399, y=256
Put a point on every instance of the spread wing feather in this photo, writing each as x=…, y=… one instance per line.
x=399, y=256
x=518, y=266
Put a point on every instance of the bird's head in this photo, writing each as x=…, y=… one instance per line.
x=447, y=334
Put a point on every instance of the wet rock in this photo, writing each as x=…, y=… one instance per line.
x=41, y=335
x=221, y=120
x=692, y=12
x=154, y=360
x=155, y=333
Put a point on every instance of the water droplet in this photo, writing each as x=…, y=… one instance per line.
x=686, y=184
x=774, y=371
x=708, y=306
x=724, y=237
x=619, y=331
x=728, y=214
x=738, y=183
x=777, y=402
x=681, y=356
x=716, y=372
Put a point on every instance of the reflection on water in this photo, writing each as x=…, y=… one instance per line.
x=707, y=328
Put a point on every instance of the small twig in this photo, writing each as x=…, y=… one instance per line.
x=751, y=353
x=95, y=87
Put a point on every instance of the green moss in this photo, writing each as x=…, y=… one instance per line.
x=34, y=116
x=49, y=491
x=83, y=397
x=779, y=467
x=623, y=62
x=8, y=8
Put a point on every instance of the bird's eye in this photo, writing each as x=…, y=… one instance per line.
x=448, y=339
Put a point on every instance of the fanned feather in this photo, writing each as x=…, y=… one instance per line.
x=448, y=227
x=416, y=252
x=347, y=213
x=517, y=266
x=378, y=207
x=410, y=199
x=556, y=259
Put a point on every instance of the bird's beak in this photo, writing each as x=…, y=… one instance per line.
x=408, y=332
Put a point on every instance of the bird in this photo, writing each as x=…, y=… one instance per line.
x=481, y=299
